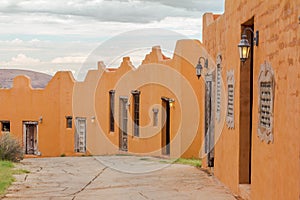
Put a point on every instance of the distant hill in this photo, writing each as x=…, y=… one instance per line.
x=38, y=80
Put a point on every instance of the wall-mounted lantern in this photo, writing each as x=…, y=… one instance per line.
x=41, y=119
x=244, y=46
x=93, y=119
x=199, y=67
x=171, y=103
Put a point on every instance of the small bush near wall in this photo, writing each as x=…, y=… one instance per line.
x=10, y=148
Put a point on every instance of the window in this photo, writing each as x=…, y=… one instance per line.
x=136, y=112
x=69, y=121
x=111, y=110
x=266, y=100
x=230, y=99
x=5, y=126
x=155, y=116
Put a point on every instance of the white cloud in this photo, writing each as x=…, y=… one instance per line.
x=102, y=18
x=111, y=11
x=22, y=59
x=68, y=59
x=51, y=35
x=200, y=5
x=44, y=50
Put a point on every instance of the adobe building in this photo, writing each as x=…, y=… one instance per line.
x=153, y=109
x=242, y=117
x=40, y=118
x=257, y=123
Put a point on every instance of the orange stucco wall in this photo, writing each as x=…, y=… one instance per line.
x=157, y=77
x=275, y=171
x=23, y=103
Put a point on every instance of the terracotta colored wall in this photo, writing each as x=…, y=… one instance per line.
x=155, y=78
x=275, y=167
x=23, y=103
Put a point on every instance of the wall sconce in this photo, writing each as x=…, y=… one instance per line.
x=41, y=119
x=199, y=67
x=244, y=46
x=171, y=103
x=93, y=119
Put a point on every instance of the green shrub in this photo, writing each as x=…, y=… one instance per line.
x=10, y=148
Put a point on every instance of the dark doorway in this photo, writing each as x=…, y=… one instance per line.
x=246, y=102
x=165, y=132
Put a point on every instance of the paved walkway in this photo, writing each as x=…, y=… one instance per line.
x=113, y=177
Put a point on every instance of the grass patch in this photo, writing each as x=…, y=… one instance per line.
x=145, y=159
x=21, y=171
x=6, y=175
x=121, y=154
x=189, y=161
x=165, y=161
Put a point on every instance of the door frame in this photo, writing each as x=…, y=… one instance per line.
x=209, y=119
x=123, y=117
x=166, y=136
x=36, y=146
x=246, y=112
x=77, y=119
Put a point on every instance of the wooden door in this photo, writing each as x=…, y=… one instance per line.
x=30, y=137
x=209, y=129
x=123, y=117
x=80, y=135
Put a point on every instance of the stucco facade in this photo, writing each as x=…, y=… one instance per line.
x=157, y=79
x=242, y=117
x=37, y=117
x=165, y=121
x=254, y=165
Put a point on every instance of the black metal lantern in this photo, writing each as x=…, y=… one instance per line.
x=244, y=45
x=244, y=48
x=198, y=70
x=199, y=67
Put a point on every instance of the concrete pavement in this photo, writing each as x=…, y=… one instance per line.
x=113, y=177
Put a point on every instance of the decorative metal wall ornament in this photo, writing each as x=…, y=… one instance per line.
x=266, y=86
x=230, y=99
x=218, y=89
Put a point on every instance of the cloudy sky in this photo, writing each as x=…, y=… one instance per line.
x=52, y=35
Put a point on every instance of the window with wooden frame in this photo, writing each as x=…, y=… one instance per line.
x=111, y=110
x=5, y=126
x=136, y=112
